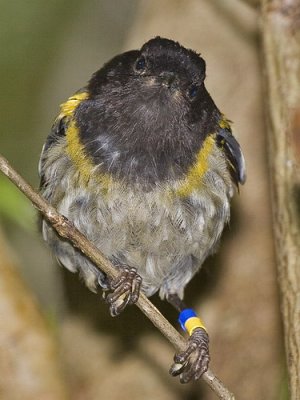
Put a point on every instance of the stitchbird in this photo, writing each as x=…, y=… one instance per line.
x=144, y=164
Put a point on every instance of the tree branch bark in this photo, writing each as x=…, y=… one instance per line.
x=281, y=42
x=67, y=230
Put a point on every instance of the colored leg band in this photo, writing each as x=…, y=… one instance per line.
x=189, y=321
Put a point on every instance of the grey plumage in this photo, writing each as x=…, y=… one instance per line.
x=166, y=238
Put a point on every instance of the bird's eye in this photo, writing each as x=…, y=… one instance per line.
x=140, y=64
x=193, y=91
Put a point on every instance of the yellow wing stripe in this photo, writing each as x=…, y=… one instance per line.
x=75, y=148
x=76, y=152
x=197, y=170
x=84, y=163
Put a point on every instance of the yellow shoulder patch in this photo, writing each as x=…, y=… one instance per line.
x=224, y=123
x=67, y=109
x=196, y=172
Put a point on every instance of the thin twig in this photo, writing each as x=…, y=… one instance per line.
x=67, y=230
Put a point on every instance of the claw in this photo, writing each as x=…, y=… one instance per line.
x=125, y=289
x=192, y=362
x=176, y=369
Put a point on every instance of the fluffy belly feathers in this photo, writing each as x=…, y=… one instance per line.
x=165, y=237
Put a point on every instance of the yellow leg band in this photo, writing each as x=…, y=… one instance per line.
x=192, y=323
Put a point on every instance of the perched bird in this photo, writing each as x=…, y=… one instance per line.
x=144, y=164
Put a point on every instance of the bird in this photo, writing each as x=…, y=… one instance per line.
x=144, y=164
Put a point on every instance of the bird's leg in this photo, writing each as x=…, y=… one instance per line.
x=193, y=361
x=176, y=302
x=124, y=290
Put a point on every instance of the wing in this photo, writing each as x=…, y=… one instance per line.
x=233, y=154
x=64, y=252
x=59, y=129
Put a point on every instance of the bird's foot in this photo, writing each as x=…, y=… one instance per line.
x=192, y=362
x=124, y=290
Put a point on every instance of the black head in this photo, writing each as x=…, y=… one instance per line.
x=173, y=65
x=148, y=106
x=161, y=71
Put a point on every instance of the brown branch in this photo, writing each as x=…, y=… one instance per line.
x=67, y=230
x=281, y=40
